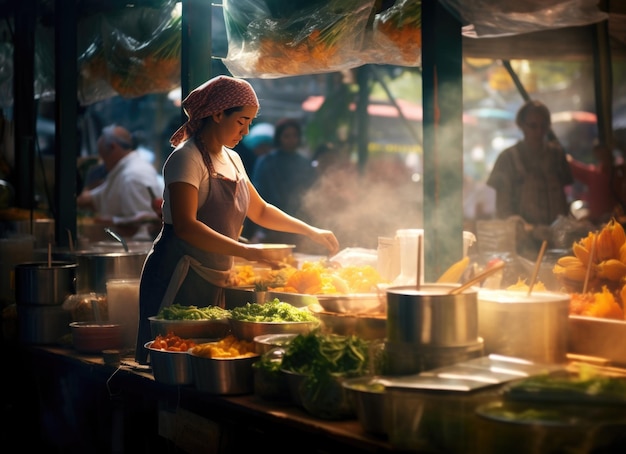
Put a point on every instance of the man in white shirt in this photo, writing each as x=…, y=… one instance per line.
x=124, y=199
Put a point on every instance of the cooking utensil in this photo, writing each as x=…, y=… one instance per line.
x=533, y=279
x=532, y=327
x=476, y=279
x=44, y=283
x=431, y=316
x=117, y=238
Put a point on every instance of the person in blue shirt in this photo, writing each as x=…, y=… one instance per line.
x=282, y=177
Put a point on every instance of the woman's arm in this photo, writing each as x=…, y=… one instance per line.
x=266, y=215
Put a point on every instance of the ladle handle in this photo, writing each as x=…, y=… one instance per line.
x=117, y=237
x=476, y=279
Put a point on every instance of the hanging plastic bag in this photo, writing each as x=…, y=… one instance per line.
x=137, y=52
x=396, y=37
x=269, y=39
x=491, y=18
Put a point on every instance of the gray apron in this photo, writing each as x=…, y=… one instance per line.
x=177, y=273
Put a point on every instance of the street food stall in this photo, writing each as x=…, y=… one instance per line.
x=429, y=355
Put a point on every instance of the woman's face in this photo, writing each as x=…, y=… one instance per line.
x=236, y=125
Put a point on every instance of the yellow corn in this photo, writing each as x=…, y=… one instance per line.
x=569, y=260
x=604, y=245
x=617, y=235
x=611, y=269
x=454, y=273
x=571, y=272
x=581, y=252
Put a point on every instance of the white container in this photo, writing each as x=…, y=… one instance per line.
x=408, y=243
x=123, y=301
x=531, y=327
x=397, y=257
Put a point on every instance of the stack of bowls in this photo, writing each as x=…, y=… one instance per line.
x=427, y=327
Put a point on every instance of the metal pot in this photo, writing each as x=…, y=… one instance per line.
x=532, y=327
x=431, y=317
x=44, y=284
x=95, y=268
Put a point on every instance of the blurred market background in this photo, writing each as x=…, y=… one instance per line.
x=129, y=73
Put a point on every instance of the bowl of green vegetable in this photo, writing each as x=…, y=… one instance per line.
x=209, y=322
x=272, y=317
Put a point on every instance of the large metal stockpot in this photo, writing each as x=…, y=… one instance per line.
x=95, y=268
x=533, y=327
x=429, y=316
x=44, y=283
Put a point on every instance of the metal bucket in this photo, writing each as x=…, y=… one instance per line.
x=531, y=327
x=41, y=283
x=95, y=268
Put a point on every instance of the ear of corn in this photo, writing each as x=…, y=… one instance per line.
x=604, y=245
x=611, y=269
x=618, y=236
x=569, y=260
x=581, y=252
x=571, y=272
x=454, y=273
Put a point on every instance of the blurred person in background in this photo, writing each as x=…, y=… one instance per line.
x=124, y=200
x=530, y=179
x=258, y=143
x=603, y=181
x=282, y=176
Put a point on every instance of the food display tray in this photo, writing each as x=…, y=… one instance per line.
x=600, y=337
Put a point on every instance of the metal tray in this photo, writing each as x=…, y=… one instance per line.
x=600, y=337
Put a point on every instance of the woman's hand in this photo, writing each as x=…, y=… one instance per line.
x=326, y=238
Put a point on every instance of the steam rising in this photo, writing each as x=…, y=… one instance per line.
x=361, y=206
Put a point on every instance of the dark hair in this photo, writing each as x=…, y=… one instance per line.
x=532, y=106
x=283, y=124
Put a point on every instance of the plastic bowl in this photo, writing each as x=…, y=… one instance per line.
x=190, y=329
x=93, y=337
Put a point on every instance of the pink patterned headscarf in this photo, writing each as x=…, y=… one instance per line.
x=214, y=96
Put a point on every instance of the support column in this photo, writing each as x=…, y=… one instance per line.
x=442, y=86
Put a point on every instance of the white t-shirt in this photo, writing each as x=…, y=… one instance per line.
x=124, y=194
x=185, y=164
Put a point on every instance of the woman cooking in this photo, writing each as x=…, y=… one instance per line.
x=207, y=196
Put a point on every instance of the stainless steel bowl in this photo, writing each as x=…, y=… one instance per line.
x=190, y=329
x=364, y=326
x=267, y=342
x=370, y=402
x=223, y=375
x=357, y=303
x=170, y=368
x=277, y=252
x=249, y=330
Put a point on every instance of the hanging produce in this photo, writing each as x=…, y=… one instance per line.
x=133, y=54
x=269, y=39
x=397, y=37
